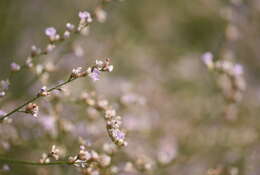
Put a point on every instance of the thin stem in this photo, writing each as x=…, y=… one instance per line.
x=22, y=162
x=35, y=98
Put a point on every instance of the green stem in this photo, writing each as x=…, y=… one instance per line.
x=22, y=162
x=34, y=99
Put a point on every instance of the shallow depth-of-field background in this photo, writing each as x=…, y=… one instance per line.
x=172, y=107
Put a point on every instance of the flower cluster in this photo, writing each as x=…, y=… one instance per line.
x=54, y=37
x=113, y=121
x=232, y=76
x=93, y=71
x=90, y=161
x=54, y=153
x=85, y=20
x=15, y=67
x=32, y=109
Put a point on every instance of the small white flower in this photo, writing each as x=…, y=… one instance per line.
x=29, y=62
x=110, y=68
x=66, y=34
x=76, y=71
x=70, y=26
x=99, y=63
x=35, y=51
x=110, y=113
x=2, y=94
x=50, y=47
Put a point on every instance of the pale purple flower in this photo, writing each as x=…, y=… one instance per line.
x=85, y=16
x=207, y=58
x=238, y=69
x=2, y=113
x=4, y=84
x=95, y=75
x=118, y=135
x=15, y=67
x=50, y=32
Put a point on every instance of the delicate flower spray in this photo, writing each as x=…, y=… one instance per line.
x=91, y=161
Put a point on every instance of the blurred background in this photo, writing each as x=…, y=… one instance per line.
x=176, y=110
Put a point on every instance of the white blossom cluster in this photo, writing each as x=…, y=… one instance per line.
x=54, y=153
x=113, y=121
x=93, y=71
x=231, y=76
x=90, y=161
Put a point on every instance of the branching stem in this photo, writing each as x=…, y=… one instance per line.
x=34, y=99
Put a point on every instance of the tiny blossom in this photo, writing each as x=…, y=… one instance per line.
x=43, y=91
x=66, y=34
x=35, y=51
x=54, y=152
x=39, y=69
x=95, y=75
x=44, y=158
x=77, y=72
x=29, y=62
x=99, y=63
x=110, y=113
x=238, y=69
x=207, y=58
x=103, y=103
x=57, y=37
x=50, y=47
x=84, y=154
x=85, y=16
x=33, y=109
x=15, y=67
x=233, y=83
x=70, y=27
x=110, y=68
x=4, y=84
x=104, y=66
x=2, y=93
x=101, y=15
x=50, y=32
